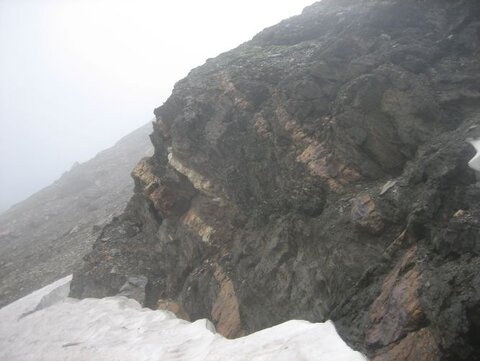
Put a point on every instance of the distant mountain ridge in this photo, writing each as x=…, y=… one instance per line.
x=42, y=237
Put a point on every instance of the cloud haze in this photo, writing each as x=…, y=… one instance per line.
x=75, y=76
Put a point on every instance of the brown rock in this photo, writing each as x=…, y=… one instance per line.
x=225, y=310
x=365, y=215
x=171, y=198
x=143, y=173
x=397, y=310
x=350, y=175
x=417, y=346
x=261, y=127
x=174, y=307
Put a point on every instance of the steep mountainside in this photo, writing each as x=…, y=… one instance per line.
x=43, y=237
x=318, y=171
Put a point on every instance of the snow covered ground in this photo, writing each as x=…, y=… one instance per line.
x=48, y=326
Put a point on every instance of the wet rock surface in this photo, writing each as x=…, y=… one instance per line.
x=318, y=171
x=44, y=237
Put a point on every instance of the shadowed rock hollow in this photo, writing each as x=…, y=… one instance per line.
x=318, y=171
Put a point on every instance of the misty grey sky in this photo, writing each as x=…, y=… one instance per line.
x=77, y=75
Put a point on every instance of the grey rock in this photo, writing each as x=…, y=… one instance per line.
x=46, y=235
x=134, y=288
x=267, y=168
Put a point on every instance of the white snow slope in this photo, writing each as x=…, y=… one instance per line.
x=48, y=326
x=474, y=163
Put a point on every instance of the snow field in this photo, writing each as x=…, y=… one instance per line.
x=48, y=326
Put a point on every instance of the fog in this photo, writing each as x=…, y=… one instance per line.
x=75, y=76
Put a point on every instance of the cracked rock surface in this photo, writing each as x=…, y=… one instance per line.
x=318, y=171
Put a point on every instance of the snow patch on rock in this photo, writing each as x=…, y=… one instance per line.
x=474, y=163
x=54, y=327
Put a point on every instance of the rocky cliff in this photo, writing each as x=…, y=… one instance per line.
x=318, y=171
x=45, y=236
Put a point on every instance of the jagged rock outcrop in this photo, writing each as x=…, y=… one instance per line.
x=318, y=171
x=44, y=237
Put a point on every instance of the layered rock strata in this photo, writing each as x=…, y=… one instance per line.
x=318, y=171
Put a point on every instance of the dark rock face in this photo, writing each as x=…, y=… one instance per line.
x=318, y=171
x=43, y=238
